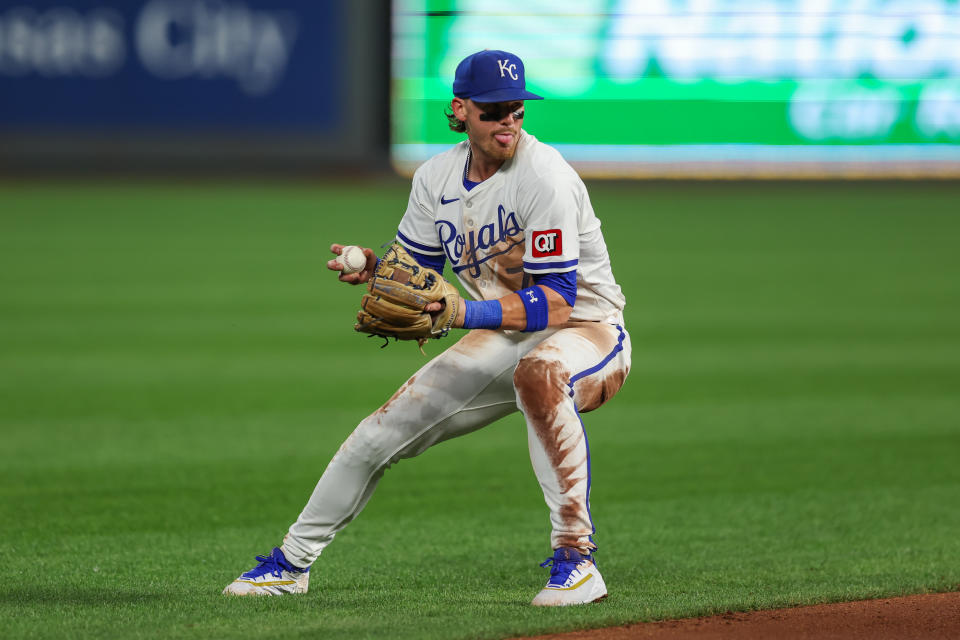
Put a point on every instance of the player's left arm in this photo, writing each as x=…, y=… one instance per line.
x=551, y=257
x=513, y=311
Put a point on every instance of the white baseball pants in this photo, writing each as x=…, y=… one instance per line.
x=551, y=376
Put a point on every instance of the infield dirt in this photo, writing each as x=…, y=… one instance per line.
x=934, y=616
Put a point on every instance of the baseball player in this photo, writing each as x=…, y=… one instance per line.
x=545, y=331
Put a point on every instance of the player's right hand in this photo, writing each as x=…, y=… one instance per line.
x=353, y=278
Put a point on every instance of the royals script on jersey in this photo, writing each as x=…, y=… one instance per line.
x=533, y=216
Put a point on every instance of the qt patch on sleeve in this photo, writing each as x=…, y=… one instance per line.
x=547, y=243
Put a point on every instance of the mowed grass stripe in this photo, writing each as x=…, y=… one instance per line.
x=177, y=367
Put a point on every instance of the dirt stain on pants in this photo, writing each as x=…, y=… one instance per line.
x=550, y=404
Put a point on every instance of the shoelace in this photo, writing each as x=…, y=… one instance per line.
x=559, y=567
x=272, y=563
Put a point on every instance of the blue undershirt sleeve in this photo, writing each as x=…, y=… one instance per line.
x=563, y=283
x=432, y=262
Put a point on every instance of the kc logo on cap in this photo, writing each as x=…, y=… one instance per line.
x=509, y=68
x=492, y=76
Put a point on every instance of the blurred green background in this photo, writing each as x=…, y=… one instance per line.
x=177, y=366
x=640, y=88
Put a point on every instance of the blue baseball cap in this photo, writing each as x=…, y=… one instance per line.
x=491, y=76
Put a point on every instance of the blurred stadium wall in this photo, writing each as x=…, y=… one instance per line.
x=715, y=88
x=636, y=88
x=193, y=85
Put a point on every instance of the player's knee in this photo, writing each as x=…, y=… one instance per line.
x=361, y=448
x=540, y=385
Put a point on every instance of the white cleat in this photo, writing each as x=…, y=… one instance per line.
x=574, y=579
x=274, y=576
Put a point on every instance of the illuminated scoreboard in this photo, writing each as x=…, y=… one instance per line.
x=702, y=87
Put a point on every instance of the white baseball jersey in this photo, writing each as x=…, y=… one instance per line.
x=533, y=216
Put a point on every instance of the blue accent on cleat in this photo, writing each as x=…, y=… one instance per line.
x=574, y=579
x=273, y=564
x=563, y=561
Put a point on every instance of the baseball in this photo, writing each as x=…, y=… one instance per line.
x=352, y=259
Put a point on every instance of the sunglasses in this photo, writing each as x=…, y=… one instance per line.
x=496, y=112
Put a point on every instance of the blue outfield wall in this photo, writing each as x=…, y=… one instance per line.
x=302, y=75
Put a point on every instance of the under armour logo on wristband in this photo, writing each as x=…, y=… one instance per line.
x=537, y=308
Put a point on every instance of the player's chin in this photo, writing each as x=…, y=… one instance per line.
x=504, y=152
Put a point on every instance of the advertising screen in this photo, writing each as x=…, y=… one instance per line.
x=154, y=65
x=716, y=88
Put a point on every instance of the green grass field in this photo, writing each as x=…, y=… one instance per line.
x=177, y=366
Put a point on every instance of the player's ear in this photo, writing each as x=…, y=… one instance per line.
x=459, y=107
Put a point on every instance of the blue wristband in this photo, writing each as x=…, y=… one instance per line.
x=482, y=314
x=538, y=310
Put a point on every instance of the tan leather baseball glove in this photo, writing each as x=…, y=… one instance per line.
x=397, y=295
